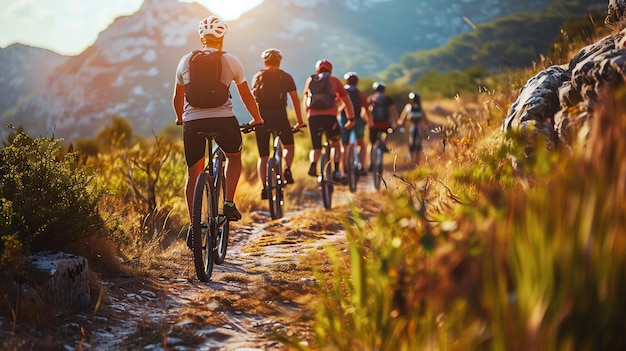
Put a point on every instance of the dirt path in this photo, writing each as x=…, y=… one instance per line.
x=261, y=290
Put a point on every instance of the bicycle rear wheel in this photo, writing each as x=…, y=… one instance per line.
x=203, y=226
x=223, y=227
x=275, y=188
x=378, y=164
x=326, y=179
x=352, y=170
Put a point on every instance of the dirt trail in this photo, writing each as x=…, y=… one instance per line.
x=260, y=290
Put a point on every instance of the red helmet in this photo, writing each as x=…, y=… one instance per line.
x=323, y=65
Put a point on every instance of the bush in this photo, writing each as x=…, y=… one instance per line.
x=47, y=200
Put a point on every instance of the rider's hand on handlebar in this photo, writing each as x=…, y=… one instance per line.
x=349, y=124
x=179, y=122
x=256, y=122
x=298, y=126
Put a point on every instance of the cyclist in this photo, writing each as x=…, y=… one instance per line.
x=321, y=91
x=220, y=119
x=415, y=112
x=384, y=114
x=362, y=117
x=270, y=87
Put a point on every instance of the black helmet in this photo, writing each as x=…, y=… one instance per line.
x=379, y=86
x=351, y=78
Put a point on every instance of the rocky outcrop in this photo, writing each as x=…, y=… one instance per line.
x=558, y=102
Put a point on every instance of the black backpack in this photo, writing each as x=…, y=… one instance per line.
x=380, y=110
x=205, y=88
x=355, y=97
x=417, y=113
x=322, y=93
x=269, y=89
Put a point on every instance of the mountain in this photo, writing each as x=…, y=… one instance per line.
x=129, y=70
x=24, y=68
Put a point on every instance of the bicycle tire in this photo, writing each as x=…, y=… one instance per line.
x=221, y=239
x=203, y=226
x=378, y=164
x=326, y=179
x=351, y=167
x=415, y=143
x=280, y=198
x=274, y=188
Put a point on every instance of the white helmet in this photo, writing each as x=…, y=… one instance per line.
x=212, y=25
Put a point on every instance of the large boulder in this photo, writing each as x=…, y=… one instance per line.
x=558, y=102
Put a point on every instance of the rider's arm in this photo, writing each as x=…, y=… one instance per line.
x=178, y=101
x=394, y=115
x=249, y=101
x=403, y=114
x=297, y=108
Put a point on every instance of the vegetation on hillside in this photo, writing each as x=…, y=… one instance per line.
x=511, y=42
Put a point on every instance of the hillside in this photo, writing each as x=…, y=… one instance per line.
x=128, y=71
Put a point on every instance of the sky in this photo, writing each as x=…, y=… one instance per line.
x=70, y=26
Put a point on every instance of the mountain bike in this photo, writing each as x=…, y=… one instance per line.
x=416, y=136
x=378, y=151
x=209, y=247
x=351, y=163
x=275, y=180
x=325, y=179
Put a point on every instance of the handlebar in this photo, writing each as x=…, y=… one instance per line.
x=247, y=128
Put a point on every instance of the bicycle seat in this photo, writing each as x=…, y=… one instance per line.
x=209, y=135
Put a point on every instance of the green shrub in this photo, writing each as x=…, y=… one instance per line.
x=47, y=200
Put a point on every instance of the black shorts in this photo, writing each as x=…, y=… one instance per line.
x=229, y=139
x=274, y=119
x=328, y=123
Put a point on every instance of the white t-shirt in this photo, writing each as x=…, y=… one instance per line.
x=232, y=72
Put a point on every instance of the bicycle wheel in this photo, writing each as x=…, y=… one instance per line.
x=274, y=188
x=378, y=164
x=223, y=227
x=415, y=144
x=203, y=226
x=326, y=179
x=352, y=170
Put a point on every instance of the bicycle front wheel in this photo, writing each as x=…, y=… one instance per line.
x=351, y=167
x=378, y=164
x=223, y=227
x=203, y=226
x=275, y=188
x=326, y=180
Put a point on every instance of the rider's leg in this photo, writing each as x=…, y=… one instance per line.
x=192, y=175
x=288, y=154
x=261, y=170
x=360, y=142
x=336, y=145
x=232, y=173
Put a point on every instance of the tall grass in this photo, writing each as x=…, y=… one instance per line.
x=502, y=253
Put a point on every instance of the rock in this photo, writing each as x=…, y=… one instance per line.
x=63, y=279
x=559, y=102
